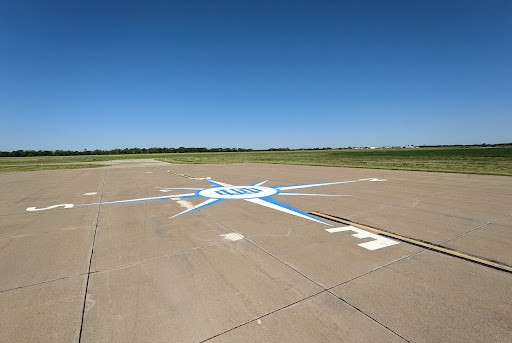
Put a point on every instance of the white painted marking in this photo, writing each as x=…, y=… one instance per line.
x=377, y=243
x=149, y=172
x=338, y=229
x=89, y=303
x=258, y=321
x=91, y=193
x=33, y=209
x=185, y=204
x=203, y=204
x=232, y=236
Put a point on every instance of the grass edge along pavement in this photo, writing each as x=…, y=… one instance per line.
x=472, y=160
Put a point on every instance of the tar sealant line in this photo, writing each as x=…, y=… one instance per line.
x=427, y=245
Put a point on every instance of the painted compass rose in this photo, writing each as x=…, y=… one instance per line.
x=255, y=193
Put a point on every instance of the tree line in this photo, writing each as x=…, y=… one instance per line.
x=126, y=151
x=131, y=151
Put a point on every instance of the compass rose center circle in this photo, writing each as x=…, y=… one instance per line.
x=237, y=192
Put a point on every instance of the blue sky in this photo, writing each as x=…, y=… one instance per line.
x=257, y=74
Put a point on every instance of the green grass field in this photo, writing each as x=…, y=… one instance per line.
x=493, y=161
x=474, y=160
x=41, y=166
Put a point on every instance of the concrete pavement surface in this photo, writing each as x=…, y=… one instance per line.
x=250, y=264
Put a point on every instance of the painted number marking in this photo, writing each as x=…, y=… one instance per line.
x=377, y=243
x=33, y=209
x=238, y=191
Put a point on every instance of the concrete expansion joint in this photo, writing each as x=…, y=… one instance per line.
x=324, y=290
x=478, y=227
x=178, y=253
x=368, y=316
x=263, y=316
x=84, y=307
x=41, y=283
x=86, y=227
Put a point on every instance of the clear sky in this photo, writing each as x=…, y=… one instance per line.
x=257, y=74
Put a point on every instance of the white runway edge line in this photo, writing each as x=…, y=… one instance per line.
x=377, y=243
